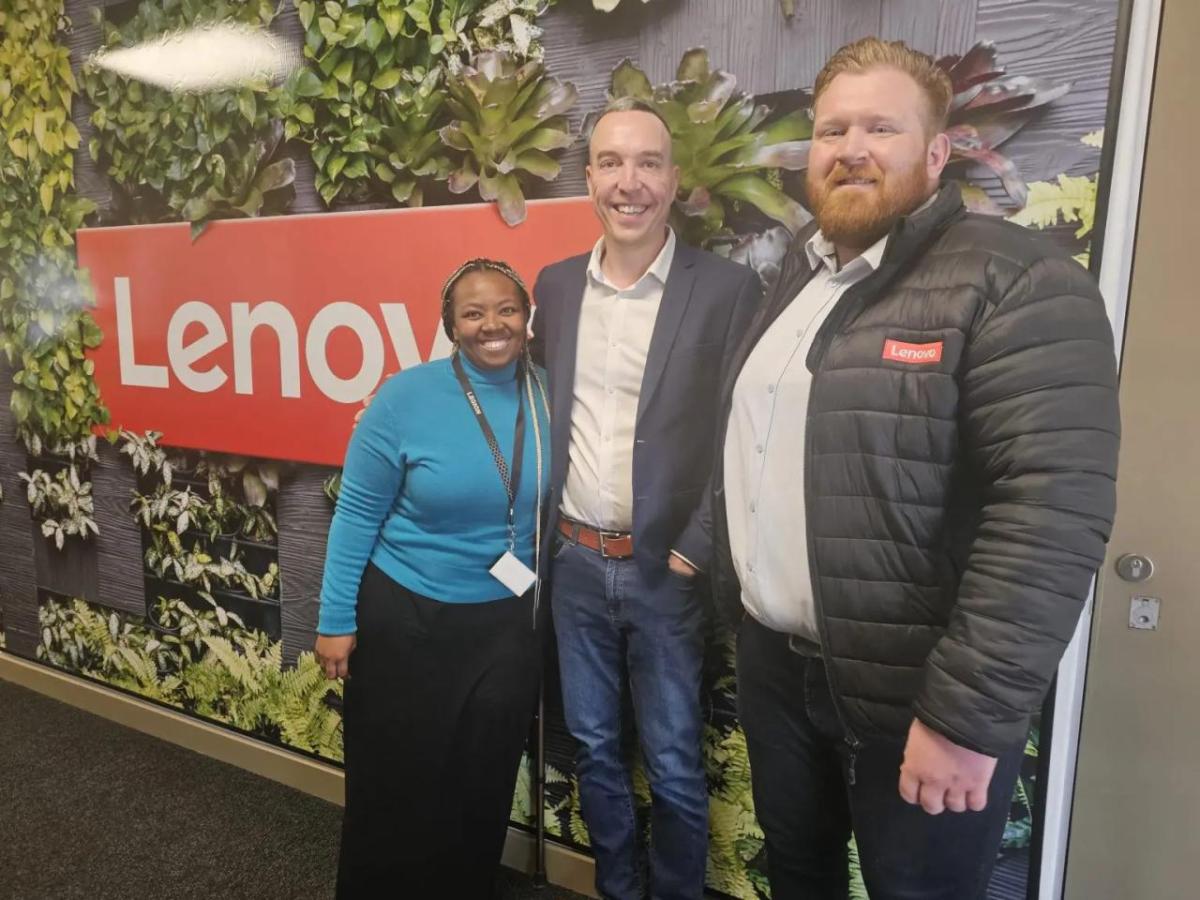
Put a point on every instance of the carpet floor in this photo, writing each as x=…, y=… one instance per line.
x=92, y=810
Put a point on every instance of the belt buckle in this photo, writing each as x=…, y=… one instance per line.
x=604, y=536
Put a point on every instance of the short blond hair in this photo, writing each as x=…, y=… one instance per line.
x=872, y=53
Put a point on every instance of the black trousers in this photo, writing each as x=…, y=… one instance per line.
x=437, y=709
x=799, y=766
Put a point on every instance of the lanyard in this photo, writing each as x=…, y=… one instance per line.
x=510, y=480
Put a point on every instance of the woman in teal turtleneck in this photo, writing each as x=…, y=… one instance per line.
x=437, y=642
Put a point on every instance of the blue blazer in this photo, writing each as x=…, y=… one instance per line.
x=706, y=307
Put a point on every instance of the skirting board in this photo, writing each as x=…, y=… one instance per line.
x=564, y=867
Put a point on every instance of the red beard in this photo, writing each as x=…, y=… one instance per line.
x=858, y=217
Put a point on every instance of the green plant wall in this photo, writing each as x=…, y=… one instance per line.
x=395, y=103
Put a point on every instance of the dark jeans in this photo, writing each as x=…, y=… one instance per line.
x=799, y=764
x=613, y=625
x=437, y=709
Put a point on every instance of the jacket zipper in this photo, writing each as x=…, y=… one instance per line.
x=841, y=313
x=848, y=306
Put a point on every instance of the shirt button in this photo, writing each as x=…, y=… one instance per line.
x=753, y=507
x=799, y=332
x=770, y=388
x=759, y=448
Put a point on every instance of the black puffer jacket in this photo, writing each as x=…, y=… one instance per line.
x=956, y=509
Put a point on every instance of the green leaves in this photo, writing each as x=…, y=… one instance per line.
x=507, y=117
x=369, y=102
x=183, y=156
x=307, y=84
x=43, y=297
x=385, y=81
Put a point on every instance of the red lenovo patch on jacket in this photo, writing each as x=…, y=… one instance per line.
x=915, y=354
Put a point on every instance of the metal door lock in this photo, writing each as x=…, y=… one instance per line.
x=1143, y=613
x=1134, y=567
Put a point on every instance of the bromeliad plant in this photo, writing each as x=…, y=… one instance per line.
x=728, y=148
x=193, y=156
x=988, y=108
x=508, y=118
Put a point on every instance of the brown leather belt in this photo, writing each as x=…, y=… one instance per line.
x=609, y=544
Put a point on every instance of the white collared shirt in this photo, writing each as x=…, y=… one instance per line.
x=615, y=326
x=764, y=449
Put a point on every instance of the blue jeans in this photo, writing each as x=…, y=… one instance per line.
x=612, y=624
x=806, y=806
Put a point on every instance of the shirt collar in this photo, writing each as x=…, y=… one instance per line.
x=658, y=270
x=820, y=250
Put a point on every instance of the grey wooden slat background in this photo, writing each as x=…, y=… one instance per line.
x=18, y=578
x=752, y=40
x=119, y=545
x=304, y=513
x=1067, y=40
x=71, y=571
x=938, y=27
x=83, y=38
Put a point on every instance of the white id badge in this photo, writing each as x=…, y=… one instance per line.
x=513, y=574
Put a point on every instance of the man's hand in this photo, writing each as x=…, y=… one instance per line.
x=366, y=402
x=680, y=566
x=333, y=654
x=939, y=774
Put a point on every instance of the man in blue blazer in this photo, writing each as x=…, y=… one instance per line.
x=636, y=337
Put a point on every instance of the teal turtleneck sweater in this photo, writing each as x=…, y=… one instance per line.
x=421, y=497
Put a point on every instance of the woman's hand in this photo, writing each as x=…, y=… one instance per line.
x=333, y=654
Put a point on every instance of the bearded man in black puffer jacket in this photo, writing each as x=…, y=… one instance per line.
x=916, y=486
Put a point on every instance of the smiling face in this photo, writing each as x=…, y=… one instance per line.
x=489, y=319
x=631, y=178
x=873, y=159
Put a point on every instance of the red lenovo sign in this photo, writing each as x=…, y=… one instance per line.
x=263, y=336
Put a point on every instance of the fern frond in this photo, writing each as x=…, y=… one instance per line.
x=1071, y=198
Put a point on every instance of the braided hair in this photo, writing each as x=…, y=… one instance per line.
x=480, y=264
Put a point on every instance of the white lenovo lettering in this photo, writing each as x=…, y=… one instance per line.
x=184, y=357
x=907, y=353
x=276, y=317
x=132, y=373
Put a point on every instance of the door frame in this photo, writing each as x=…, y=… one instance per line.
x=1126, y=135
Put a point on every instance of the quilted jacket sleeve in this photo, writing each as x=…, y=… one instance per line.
x=1040, y=429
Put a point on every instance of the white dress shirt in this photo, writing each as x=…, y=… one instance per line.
x=615, y=326
x=764, y=449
